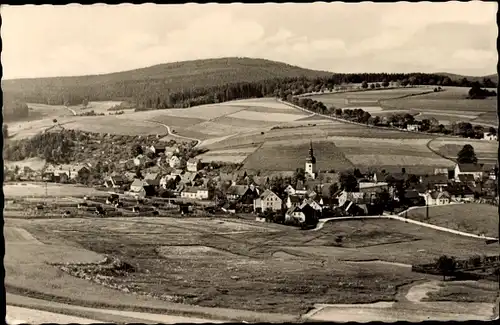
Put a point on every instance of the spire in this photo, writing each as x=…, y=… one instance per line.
x=311, y=157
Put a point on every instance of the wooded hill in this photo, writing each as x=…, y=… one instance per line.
x=184, y=84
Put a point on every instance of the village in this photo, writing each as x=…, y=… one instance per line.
x=162, y=179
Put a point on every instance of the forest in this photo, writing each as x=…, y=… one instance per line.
x=159, y=94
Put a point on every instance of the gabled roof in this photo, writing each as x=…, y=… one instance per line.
x=193, y=161
x=435, y=179
x=470, y=168
x=117, y=179
x=139, y=182
x=466, y=178
x=294, y=199
x=440, y=195
x=267, y=193
x=411, y=194
x=152, y=176
x=239, y=190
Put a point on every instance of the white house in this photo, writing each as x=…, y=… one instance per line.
x=268, y=201
x=468, y=169
x=176, y=162
x=289, y=190
x=196, y=193
x=436, y=197
x=193, y=165
x=490, y=136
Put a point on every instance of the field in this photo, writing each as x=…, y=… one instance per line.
x=235, y=263
x=465, y=291
x=472, y=218
x=13, y=190
x=486, y=151
x=33, y=163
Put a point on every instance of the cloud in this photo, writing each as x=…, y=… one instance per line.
x=393, y=37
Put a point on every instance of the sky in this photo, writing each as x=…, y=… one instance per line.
x=47, y=41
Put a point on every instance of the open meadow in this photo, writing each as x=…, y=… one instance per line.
x=471, y=218
x=234, y=263
x=16, y=190
x=486, y=151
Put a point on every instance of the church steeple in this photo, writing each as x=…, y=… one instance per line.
x=311, y=163
x=311, y=158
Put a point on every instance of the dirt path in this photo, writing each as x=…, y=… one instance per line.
x=420, y=291
x=20, y=315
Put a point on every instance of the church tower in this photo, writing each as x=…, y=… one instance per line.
x=311, y=163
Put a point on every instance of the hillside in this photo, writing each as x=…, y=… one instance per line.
x=171, y=76
x=457, y=77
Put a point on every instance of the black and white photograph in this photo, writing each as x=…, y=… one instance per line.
x=249, y=163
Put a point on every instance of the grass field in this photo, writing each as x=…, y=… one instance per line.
x=13, y=190
x=242, y=264
x=473, y=218
x=33, y=163
x=465, y=291
x=486, y=151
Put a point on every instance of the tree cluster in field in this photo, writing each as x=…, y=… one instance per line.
x=68, y=146
x=152, y=93
x=90, y=113
x=476, y=92
x=463, y=129
x=14, y=109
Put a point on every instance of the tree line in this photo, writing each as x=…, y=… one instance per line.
x=157, y=94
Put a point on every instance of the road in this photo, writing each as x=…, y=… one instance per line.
x=198, y=141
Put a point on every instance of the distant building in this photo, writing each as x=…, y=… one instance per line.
x=158, y=148
x=310, y=167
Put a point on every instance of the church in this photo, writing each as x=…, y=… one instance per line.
x=310, y=168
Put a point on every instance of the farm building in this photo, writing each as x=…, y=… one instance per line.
x=141, y=188
x=468, y=169
x=153, y=179
x=304, y=213
x=268, y=201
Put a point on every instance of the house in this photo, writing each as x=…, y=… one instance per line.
x=436, y=197
x=354, y=197
x=413, y=127
x=460, y=192
x=165, y=179
x=304, y=213
x=153, y=179
x=314, y=204
x=140, y=160
x=289, y=190
x=468, y=169
x=129, y=176
x=195, y=193
x=328, y=202
x=466, y=179
x=141, y=188
x=190, y=178
x=245, y=194
x=441, y=171
x=300, y=189
x=170, y=151
x=490, y=136
x=115, y=181
x=176, y=162
x=435, y=182
x=157, y=148
x=193, y=165
x=268, y=201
